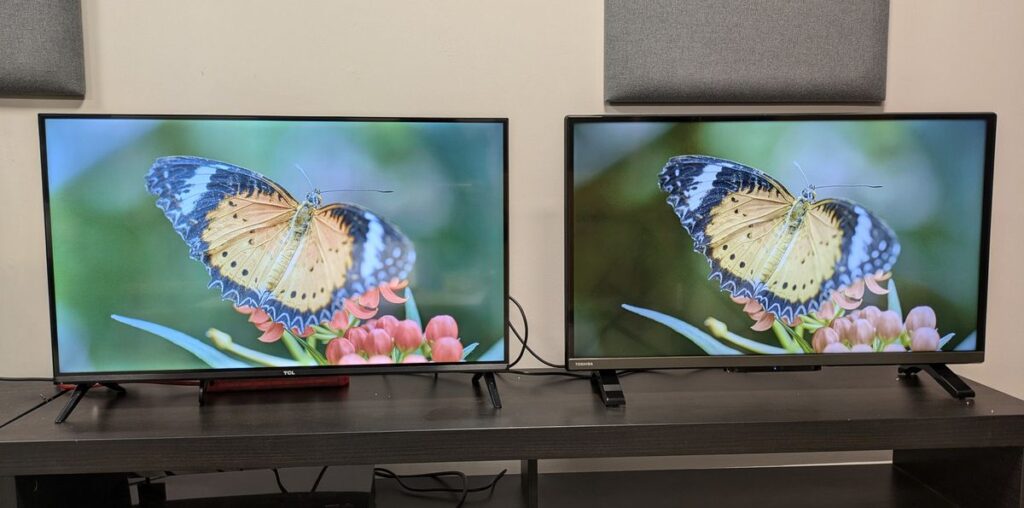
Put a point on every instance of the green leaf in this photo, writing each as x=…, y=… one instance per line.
x=411, y=312
x=469, y=349
x=894, y=298
x=945, y=340
x=200, y=349
x=297, y=352
x=701, y=339
x=320, y=359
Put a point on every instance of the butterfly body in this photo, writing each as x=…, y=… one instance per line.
x=788, y=253
x=298, y=261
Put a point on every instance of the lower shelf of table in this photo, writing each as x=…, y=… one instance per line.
x=876, y=485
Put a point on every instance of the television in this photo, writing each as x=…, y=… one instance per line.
x=207, y=247
x=776, y=241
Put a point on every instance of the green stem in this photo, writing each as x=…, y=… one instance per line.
x=782, y=333
x=297, y=351
x=260, y=358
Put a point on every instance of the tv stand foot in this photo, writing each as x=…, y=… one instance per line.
x=946, y=378
x=79, y=392
x=606, y=385
x=492, y=387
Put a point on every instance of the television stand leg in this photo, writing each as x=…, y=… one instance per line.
x=946, y=378
x=76, y=397
x=492, y=387
x=606, y=385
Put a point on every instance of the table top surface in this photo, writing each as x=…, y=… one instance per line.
x=415, y=418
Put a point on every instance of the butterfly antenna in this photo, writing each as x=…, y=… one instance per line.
x=382, y=191
x=303, y=171
x=806, y=180
x=850, y=185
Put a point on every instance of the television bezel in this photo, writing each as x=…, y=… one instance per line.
x=575, y=363
x=266, y=372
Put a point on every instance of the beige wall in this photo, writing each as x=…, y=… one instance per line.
x=533, y=61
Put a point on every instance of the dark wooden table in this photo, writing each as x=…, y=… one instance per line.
x=969, y=453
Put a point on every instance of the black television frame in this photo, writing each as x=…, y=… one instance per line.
x=574, y=363
x=265, y=372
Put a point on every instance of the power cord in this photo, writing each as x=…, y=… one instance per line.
x=463, y=492
x=318, y=478
x=280, y=485
x=523, y=339
x=46, y=400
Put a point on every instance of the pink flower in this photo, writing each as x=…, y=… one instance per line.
x=920, y=317
x=340, y=319
x=823, y=337
x=378, y=343
x=871, y=313
x=441, y=326
x=861, y=348
x=379, y=360
x=352, y=359
x=836, y=347
x=357, y=336
x=888, y=324
x=895, y=347
x=408, y=336
x=305, y=333
x=842, y=327
x=366, y=305
x=861, y=332
x=924, y=339
x=272, y=331
x=446, y=349
x=414, y=359
x=338, y=349
x=827, y=311
x=388, y=324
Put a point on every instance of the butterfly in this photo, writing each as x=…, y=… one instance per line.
x=788, y=253
x=297, y=261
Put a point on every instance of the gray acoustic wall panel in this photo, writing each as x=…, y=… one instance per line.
x=745, y=50
x=41, y=48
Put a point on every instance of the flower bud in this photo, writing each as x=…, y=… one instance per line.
x=888, y=324
x=388, y=324
x=842, y=326
x=357, y=336
x=446, y=349
x=414, y=359
x=836, y=347
x=862, y=332
x=408, y=336
x=378, y=343
x=338, y=348
x=895, y=347
x=352, y=359
x=380, y=360
x=921, y=317
x=861, y=348
x=441, y=326
x=924, y=339
x=871, y=313
x=823, y=337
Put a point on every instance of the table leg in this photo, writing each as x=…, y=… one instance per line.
x=989, y=477
x=528, y=481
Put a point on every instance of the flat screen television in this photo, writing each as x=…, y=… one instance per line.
x=201, y=247
x=776, y=241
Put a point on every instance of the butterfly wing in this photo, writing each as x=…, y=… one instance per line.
x=232, y=219
x=348, y=250
x=733, y=213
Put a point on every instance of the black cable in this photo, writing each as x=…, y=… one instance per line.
x=526, y=331
x=318, y=478
x=523, y=341
x=463, y=492
x=277, y=476
x=45, y=401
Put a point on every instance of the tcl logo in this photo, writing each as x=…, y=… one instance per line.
x=289, y=372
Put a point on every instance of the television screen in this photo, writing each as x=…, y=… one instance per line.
x=199, y=247
x=776, y=241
